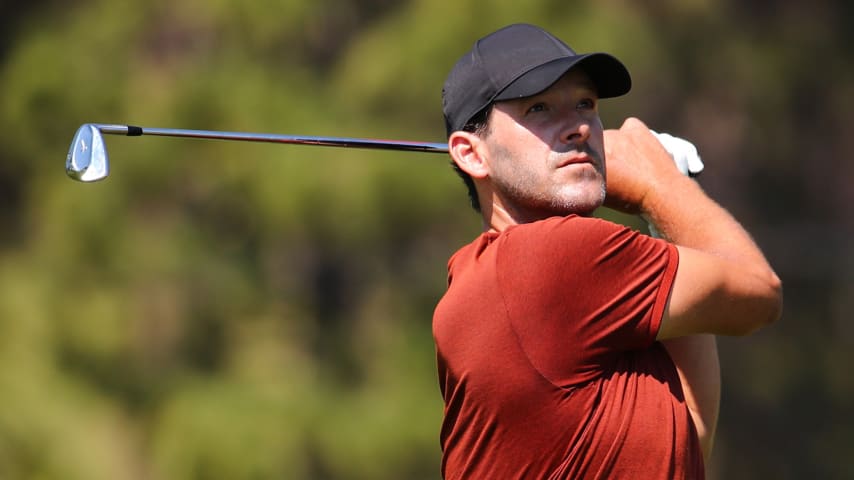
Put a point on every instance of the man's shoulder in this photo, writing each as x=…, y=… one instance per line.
x=548, y=234
x=561, y=229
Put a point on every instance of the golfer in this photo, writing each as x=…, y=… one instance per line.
x=570, y=347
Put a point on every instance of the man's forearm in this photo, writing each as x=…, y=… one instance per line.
x=683, y=214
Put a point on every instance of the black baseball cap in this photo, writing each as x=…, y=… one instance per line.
x=518, y=61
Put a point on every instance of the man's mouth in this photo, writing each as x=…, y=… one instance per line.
x=575, y=159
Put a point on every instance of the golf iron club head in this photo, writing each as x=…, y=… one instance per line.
x=87, y=158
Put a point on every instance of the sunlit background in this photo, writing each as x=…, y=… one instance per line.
x=224, y=310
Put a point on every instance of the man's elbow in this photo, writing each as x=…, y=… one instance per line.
x=767, y=306
x=775, y=298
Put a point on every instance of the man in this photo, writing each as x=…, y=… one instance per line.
x=569, y=346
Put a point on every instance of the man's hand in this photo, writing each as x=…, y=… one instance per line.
x=636, y=164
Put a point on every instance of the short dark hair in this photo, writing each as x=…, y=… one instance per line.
x=478, y=125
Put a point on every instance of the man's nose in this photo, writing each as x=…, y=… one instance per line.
x=576, y=133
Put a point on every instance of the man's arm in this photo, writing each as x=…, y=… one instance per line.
x=696, y=360
x=723, y=284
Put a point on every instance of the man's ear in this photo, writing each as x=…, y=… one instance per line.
x=467, y=150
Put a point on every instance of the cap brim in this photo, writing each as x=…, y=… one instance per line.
x=608, y=74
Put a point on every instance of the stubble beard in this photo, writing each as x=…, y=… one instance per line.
x=531, y=200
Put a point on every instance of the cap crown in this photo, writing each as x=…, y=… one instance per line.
x=517, y=61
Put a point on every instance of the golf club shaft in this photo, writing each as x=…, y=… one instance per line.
x=132, y=131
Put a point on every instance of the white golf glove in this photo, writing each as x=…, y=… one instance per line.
x=686, y=157
x=684, y=153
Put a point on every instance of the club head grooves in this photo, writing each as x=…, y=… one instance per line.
x=87, y=158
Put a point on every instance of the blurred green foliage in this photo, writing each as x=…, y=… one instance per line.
x=246, y=311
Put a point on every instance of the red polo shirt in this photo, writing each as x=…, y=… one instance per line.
x=548, y=362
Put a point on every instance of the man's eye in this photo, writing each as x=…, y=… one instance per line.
x=537, y=107
x=587, y=104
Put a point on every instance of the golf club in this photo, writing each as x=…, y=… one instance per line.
x=87, y=159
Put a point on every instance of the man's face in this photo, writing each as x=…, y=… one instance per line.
x=546, y=152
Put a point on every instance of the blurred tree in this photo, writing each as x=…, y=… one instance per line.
x=225, y=310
